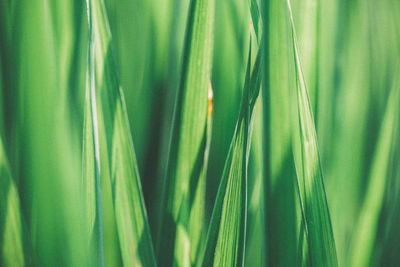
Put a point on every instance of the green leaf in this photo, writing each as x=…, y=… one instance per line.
x=11, y=231
x=91, y=167
x=197, y=212
x=226, y=236
x=255, y=17
x=279, y=176
x=11, y=246
x=131, y=218
x=189, y=139
x=44, y=134
x=306, y=21
x=318, y=227
x=366, y=229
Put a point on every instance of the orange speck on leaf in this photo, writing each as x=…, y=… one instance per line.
x=210, y=99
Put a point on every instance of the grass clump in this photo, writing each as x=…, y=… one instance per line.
x=199, y=133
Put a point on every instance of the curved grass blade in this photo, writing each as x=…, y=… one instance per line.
x=91, y=165
x=362, y=247
x=197, y=212
x=45, y=150
x=279, y=174
x=189, y=138
x=306, y=19
x=254, y=223
x=255, y=17
x=318, y=227
x=131, y=218
x=11, y=231
x=11, y=246
x=226, y=236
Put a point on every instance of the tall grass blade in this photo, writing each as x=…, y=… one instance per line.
x=306, y=20
x=226, y=235
x=228, y=73
x=44, y=149
x=279, y=176
x=91, y=161
x=255, y=233
x=11, y=235
x=131, y=218
x=11, y=246
x=321, y=243
x=197, y=213
x=255, y=17
x=189, y=138
x=365, y=235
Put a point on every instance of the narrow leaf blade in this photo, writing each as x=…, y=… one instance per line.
x=131, y=217
x=11, y=246
x=189, y=139
x=226, y=236
x=321, y=243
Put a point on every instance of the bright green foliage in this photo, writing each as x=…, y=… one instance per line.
x=306, y=18
x=189, y=139
x=128, y=125
x=227, y=231
x=281, y=222
x=11, y=246
x=43, y=150
x=131, y=218
x=384, y=164
x=91, y=170
x=89, y=176
x=255, y=17
x=321, y=243
x=197, y=212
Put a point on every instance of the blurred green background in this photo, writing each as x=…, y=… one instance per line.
x=350, y=52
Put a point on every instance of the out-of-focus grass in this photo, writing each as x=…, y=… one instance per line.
x=328, y=125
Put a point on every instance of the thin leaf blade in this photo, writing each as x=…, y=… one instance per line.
x=226, y=236
x=365, y=235
x=318, y=227
x=131, y=217
x=189, y=138
x=11, y=247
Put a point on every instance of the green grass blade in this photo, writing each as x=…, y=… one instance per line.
x=11, y=225
x=279, y=175
x=306, y=21
x=197, y=212
x=91, y=162
x=11, y=246
x=11, y=234
x=255, y=17
x=131, y=218
x=321, y=243
x=229, y=61
x=365, y=234
x=226, y=236
x=45, y=149
x=188, y=138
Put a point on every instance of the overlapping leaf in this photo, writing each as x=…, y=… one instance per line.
x=131, y=217
x=226, y=236
x=255, y=17
x=279, y=176
x=318, y=228
x=197, y=212
x=384, y=163
x=91, y=171
x=178, y=237
x=11, y=242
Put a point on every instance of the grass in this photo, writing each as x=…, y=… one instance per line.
x=199, y=133
x=184, y=187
